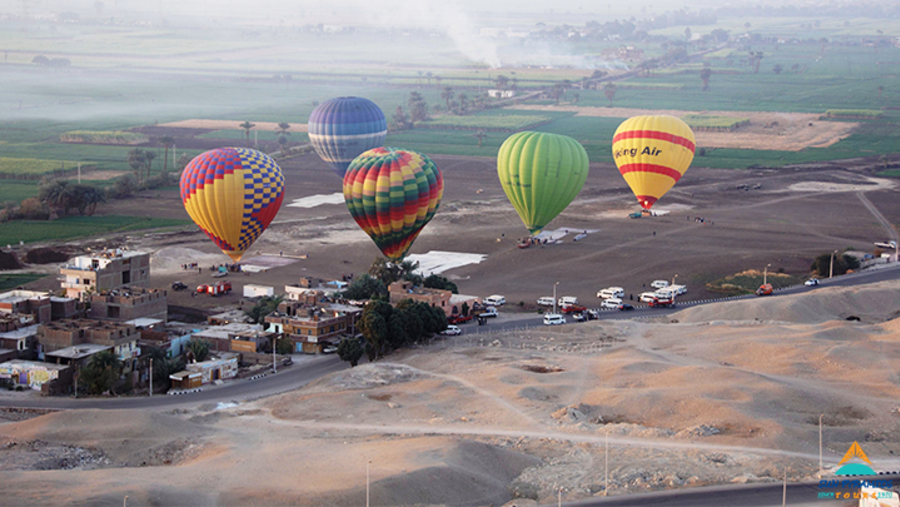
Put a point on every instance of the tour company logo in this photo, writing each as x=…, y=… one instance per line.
x=855, y=463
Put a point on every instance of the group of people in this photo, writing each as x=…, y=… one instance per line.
x=186, y=267
x=701, y=220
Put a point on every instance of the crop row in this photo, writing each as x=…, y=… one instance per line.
x=497, y=122
x=103, y=137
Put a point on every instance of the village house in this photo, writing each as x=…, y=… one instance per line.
x=129, y=304
x=32, y=374
x=27, y=302
x=194, y=375
x=236, y=337
x=433, y=297
x=311, y=328
x=110, y=269
x=61, y=334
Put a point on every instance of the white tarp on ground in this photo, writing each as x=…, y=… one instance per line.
x=317, y=200
x=876, y=497
x=436, y=261
x=559, y=234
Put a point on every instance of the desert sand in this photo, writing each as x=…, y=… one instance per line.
x=722, y=393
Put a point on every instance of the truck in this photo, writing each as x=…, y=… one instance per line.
x=764, y=290
x=218, y=288
x=662, y=301
x=459, y=319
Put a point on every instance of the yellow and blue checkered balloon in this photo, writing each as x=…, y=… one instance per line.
x=233, y=194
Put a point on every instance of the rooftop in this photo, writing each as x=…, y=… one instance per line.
x=33, y=365
x=18, y=296
x=143, y=322
x=22, y=332
x=86, y=324
x=223, y=332
x=78, y=351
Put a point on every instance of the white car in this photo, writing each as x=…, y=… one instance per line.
x=611, y=292
x=812, y=282
x=647, y=297
x=659, y=284
x=495, y=300
x=611, y=303
x=489, y=312
x=545, y=301
x=452, y=331
x=554, y=319
x=568, y=300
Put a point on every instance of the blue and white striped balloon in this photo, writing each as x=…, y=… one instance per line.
x=342, y=128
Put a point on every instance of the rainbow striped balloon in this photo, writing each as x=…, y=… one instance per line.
x=392, y=193
x=232, y=194
x=653, y=153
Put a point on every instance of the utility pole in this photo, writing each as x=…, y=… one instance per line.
x=606, y=466
x=784, y=489
x=820, y=443
x=151, y=376
x=274, y=360
x=766, y=274
x=559, y=497
x=367, y=482
x=554, y=296
x=831, y=269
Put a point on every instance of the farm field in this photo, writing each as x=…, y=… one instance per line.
x=8, y=282
x=32, y=231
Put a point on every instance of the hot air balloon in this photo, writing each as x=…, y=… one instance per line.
x=541, y=173
x=392, y=193
x=652, y=153
x=342, y=128
x=232, y=194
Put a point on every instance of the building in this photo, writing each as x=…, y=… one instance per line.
x=237, y=337
x=110, y=269
x=27, y=302
x=195, y=374
x=76, y=355
x=433, y=297
x=29, y=373
x=63, y=334
x=173, y=341
x=23, y=340
x=65, y=308
x=129, y=304
x=629, y=53
x=311, y=328
x=256, y=291
x=310, y=286
x=501, y=94
x=457, y=300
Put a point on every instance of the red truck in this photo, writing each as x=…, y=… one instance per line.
x=458, y=319
x=662, y=301
x=215, y=289
x=572, y=308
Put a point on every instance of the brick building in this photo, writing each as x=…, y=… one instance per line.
x=433, y=297
x=66, y=333
x=236, y=336
x=129, y=303
x=110, y=269
x=310, y=328
x=27, y=302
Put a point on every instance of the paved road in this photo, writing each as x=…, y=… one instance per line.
x=286, y=379
x=743, y=495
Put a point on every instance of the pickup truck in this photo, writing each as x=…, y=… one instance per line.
x=662, y=302
x=572, y=309
x=459, y=319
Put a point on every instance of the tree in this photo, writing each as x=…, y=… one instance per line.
x=418, y=108
x=502, y=82
x=284, y=346
x=428, y=76
x=40, y=60
x=463, y=103
x=447, y=94
x=123, y=187
x=575, y=97
x=777, y=68
x=350, y=350
x=439, y=282
x=610, y=91
x=283, y=128
x=365, y=287
x=265, y=306
x=199, y=349
x=101, y=373
x=880, y=90
x=842, y=263
x=407, y=268
x=687, y=33
x=137, y=160
x=705, y=74
x=163, y=367
x=480, y=135
x=464, y=309
x=755, y=58
x=374, y=329
x=565, y=85
x=148, y=160
x=719, y=35
x=795, y=68
x=400, y=121
x=167, y=142
x=247, y=126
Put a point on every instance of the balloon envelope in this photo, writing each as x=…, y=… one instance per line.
x=232, y=194
x=342, y=128
x=652, y=153
x=541, y=174
x=392, y=193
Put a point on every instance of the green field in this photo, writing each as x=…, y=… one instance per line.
x=709, y=121
x=853, y=113
x=510, y=122
x=8, y=282
x=103, y=137
x=33, y=167
x=31, y=231
x=17, y=190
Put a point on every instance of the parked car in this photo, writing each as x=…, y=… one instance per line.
x=567, y=300
x=611, y=303
x=662, y=301
x=764, y=290
x=179, y=286
x=554, y=319
x=580, y=317
x=611, y=292
x=458, y=319
x=626, y=307
x=545, y=301
x=572, y=308
x=452, y=331
x=219, y=274
x=812, y=282
x=202, y=288
x=331, y=349
x=495, y=300
x=591, y=314
x=647, y=297
x=489, y=312
x=659, y=284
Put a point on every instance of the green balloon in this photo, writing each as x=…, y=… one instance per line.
x=541, y=174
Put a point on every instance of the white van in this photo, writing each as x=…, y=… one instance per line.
x=495, y=300
x=659, y=284
x=568, y=300
x=611, y=303
x=647, y=297
x=545, y=301
x=611, y=292
x=679, y=289
x=554, y=319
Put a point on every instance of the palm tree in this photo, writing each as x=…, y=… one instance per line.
x=406, y=268
x=429, y=75
x=575, y=97
x=880, y=90
x=282, y=141
x=704, y=75
x=136, y=160
x=480, y=135
x=247, y=126
x=565, y=85
x=148, y=157
x=167, y=142
x=463, y=103
x=283, y=127
x=610, y=91
x=447, y=95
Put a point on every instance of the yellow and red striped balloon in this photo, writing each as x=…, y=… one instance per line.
x=392, y=193
x=232, y=194
x=653, y=153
